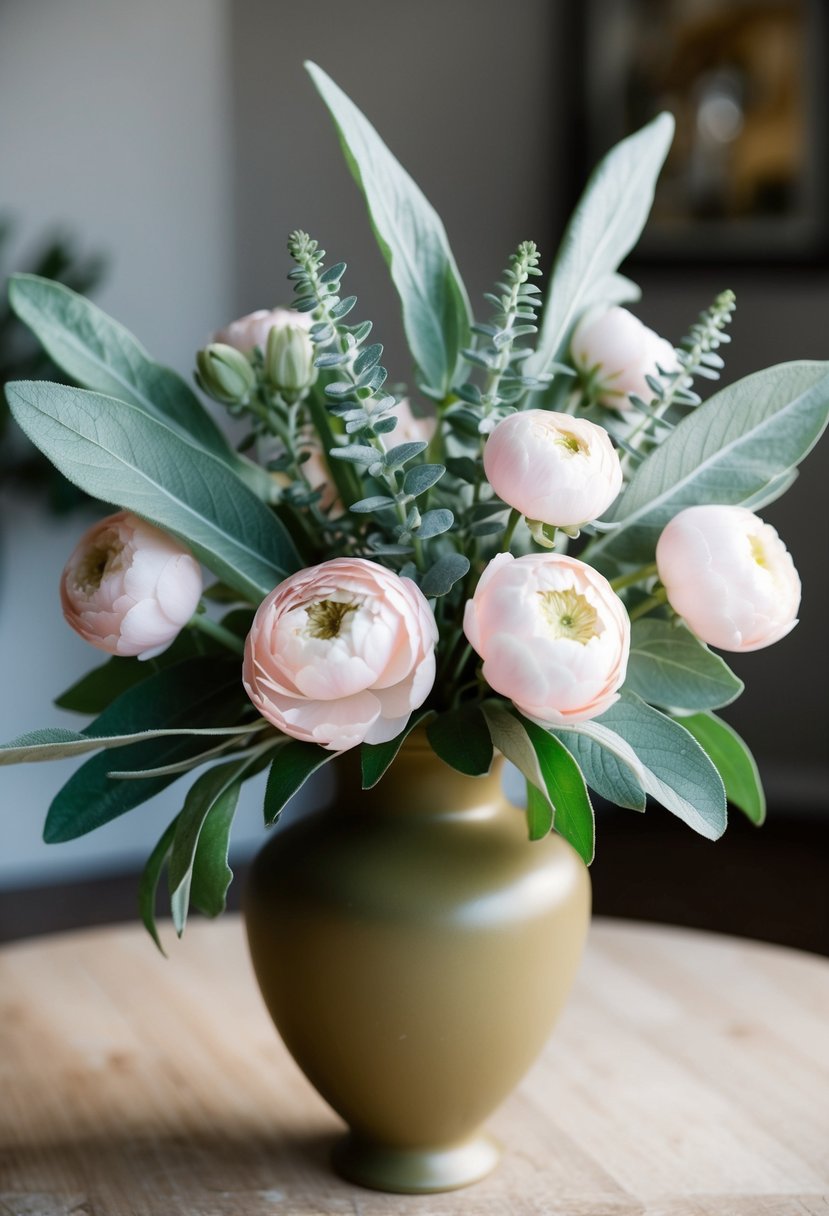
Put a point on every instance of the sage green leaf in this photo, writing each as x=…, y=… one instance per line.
x=605, y=772
x=412, y=239
x=734, y=763
x=195, y=693
x=540, y=813
x=216, y=790
x=743, y=440
x=565, y=787
x=293, y=764
x=513, y=742
x=670, y=667
x=55, y=743
x=118, y=453
x=440, y=578
x=605, y=226
x=461, y=738
x=375, y=758
x=102, y=355
x=148, y=884
x=667, y=761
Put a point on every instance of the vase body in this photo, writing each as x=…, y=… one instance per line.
x=414, y=948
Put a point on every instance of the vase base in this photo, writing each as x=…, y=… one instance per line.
x=416, y=1171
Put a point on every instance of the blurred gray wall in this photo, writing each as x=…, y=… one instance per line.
x=186, y=140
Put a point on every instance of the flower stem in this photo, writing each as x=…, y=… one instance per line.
x=654, y=601
x=637, y=576
x=218, y=632
x=512, y=524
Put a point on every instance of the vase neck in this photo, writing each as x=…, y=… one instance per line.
x=419, y=782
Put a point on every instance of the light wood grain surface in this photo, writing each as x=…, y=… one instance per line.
x=689, y=1076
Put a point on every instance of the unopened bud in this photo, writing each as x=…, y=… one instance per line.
x=289, y=360
x=225, y=374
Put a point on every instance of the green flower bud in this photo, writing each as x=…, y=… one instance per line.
x=225, y=374
x=289, y=360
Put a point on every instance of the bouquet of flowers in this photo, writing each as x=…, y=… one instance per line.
x=532, y=552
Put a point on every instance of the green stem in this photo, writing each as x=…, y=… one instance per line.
x=512, y=524
x=214, y=630
x=636, y=576
x=654, y=601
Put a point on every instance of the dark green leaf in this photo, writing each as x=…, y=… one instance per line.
x=195, y=693
x=461, y=738
x=216, y=790
x=566, y=789
x=148, y=884
x=290, y=769
x=734, y=762
x=540, y=813
x=375, y=758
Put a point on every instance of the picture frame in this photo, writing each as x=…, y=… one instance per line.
x=747, y=179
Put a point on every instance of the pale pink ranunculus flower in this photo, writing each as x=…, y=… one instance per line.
x=253, y=330
x=341, y=653
x=553, y=634
x=128, y=587
x=729, y=576
x=552, y=467
x=617, y=351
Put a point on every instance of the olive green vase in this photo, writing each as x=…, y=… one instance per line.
x=414, y=949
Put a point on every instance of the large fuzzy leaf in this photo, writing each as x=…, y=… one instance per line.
x=604, y=228
x=118, y=453
x=412, y=239
x=670, y=667
x=731, y=449
x=103, y=356
x=666, y=760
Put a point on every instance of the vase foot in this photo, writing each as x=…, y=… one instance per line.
x=417, y=1170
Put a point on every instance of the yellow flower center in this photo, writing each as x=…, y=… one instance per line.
x=569, y=615
x=758, y=552
x=101, y=559
x=325, y=618
x=572, y=443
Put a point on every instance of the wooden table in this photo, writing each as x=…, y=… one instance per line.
x=689, y=1076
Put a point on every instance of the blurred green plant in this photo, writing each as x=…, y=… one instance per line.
x=22, y=357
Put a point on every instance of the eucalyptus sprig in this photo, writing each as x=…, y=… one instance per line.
x=366, y=410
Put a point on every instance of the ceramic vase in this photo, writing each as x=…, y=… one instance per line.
x=414, y=949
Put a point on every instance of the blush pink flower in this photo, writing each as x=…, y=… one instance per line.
x=561, y=470
x=729, y=576
x=341, y=653
x=553, y=635
x=615, y=351
x=253, y=330
x=129, y=587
